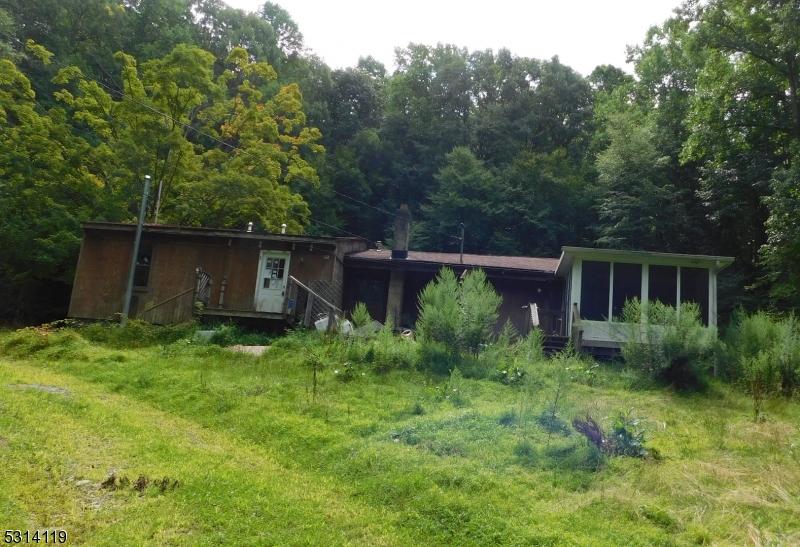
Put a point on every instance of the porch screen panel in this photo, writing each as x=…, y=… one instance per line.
x=694, y=288
x=663, y=285
x=627, y=286
x=595, y=281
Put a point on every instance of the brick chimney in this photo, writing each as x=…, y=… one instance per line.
x=402, y=231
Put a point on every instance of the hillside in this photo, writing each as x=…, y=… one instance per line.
x=253, y=456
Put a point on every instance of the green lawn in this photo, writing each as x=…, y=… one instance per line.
x=383, y=459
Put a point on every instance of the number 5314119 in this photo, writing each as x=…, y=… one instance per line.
x=35, y=536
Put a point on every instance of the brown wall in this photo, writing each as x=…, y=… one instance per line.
x=104, y=260
x=363, y=284
x=100, y=276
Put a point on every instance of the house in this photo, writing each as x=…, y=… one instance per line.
x=234, y=273
x=241, y=274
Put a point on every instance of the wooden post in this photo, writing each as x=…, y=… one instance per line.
x=577, y=330
x=309, y=308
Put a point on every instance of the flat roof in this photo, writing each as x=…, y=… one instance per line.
x=568, y=254
x=522, y=263
x=211, y=232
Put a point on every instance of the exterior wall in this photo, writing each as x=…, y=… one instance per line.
x=366, y=285
x=363, y=282
x=101, y=274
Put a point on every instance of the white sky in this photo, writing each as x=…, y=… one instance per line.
x=583, y=33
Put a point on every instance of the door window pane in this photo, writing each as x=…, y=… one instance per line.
x=595, y=278
x=627, y=286
x=663, y=284
x=274, y=268
x=694, y=288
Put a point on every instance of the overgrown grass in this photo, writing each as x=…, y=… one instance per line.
x=390, y=457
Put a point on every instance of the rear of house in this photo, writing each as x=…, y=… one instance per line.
x=236, y=273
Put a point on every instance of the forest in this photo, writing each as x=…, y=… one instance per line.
x=693, y=147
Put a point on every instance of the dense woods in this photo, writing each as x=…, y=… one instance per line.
x=697, y=151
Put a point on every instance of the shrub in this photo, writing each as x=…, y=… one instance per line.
x=626, y=438
x=764, y=347
x=360, y=315
x=455, y=320
x=390, y=352
x=137, y=333
x=671, y=345
x=761, y=378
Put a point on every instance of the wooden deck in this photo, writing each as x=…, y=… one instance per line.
x=250, y=314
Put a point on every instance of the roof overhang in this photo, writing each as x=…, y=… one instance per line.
x=569, y=254
x=433, y=267
x=161, y=229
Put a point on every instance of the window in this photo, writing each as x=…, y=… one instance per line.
x=663, y=285
x=595, y=280
x=694, y=288
x=627, y=286
x=273, y=270
x=141, y=274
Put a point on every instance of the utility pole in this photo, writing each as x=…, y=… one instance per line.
x=126, y=305
x=158, y=201
x=461, y=240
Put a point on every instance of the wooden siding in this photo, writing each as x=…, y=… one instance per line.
x=104, y=260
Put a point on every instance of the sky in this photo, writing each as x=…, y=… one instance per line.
x=583, y=33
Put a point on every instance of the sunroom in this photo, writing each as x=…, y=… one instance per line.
x=598, y=282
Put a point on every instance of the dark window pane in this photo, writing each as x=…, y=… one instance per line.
x=141, y=275
x=663, y=285
x=694, y=288
x=595, y=278
x=627, y=286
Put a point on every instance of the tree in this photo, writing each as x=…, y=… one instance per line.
x=45, y=191
x=467, y=193
x=639, y=208
x=222, y=154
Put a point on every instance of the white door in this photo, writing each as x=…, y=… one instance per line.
x=273, y=273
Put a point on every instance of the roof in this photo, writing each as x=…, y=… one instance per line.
x=568, y=254
x=523, y=263
x=211, y=232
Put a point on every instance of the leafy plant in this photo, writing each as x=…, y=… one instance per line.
x=626, y=437
x=360, y=315
x=455, y=318
x=667, y=344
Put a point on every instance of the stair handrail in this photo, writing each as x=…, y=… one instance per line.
x=315, y=294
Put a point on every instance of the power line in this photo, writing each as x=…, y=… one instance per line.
x=313, y=221
x=364, y=203
x=122, y=95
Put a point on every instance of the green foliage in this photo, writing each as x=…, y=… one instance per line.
x=389, y=352
x=230, y=334
x=361, y=465
x=360, y=315
x=669, y=345
x=764, y=354
x=137, y=334
x=456, y=319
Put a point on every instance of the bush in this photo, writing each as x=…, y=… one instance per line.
x=137, y=333
x=390, y=352
x=766, y=350
x=455, y=320
x=360, y=315
x=626, y=438
x=671, y=345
